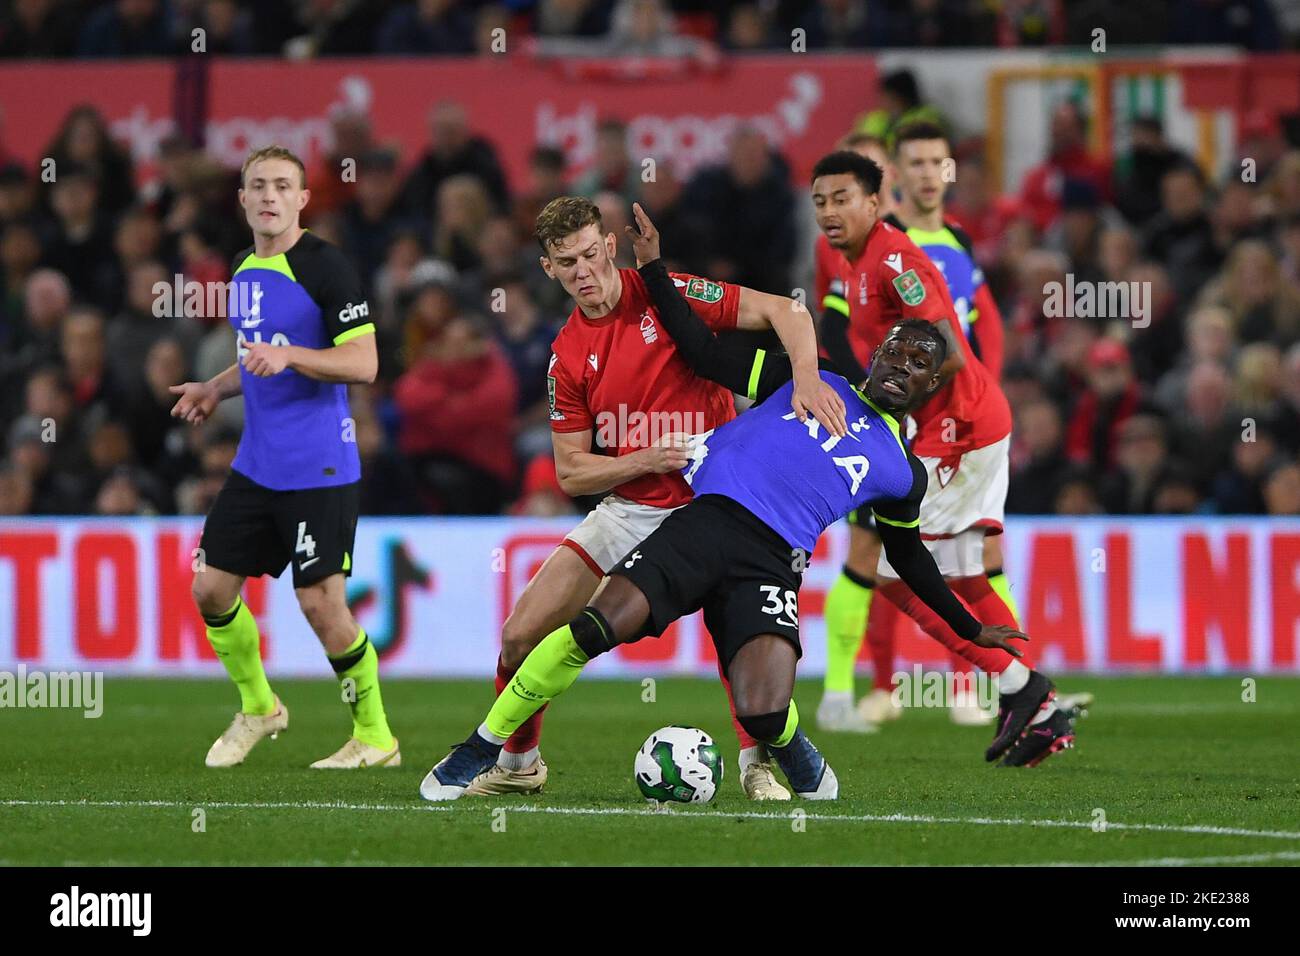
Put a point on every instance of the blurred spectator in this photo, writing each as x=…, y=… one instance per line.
x=334, y=28
x=20, y=251
x=136, y=328
x=579, y=18
x=526, y=341
x=1077, y=494
x=1204, y=428
x=1284, y=187
x=388, y=482
x=38, y=28
x=83, y=348
x=1142, y=457
x=1176, y=493
x=681, y=234
x=612, y=169
x=371, y=220
x=453, y=151
x=227, y=29
x=121, y=495
x=1242, y=23
x=491, y=29
x=1282, y=489
x=216, y=452
x=746, y=208
x=747, y=27
x=1109, y=399
x=542, y=495
x=457, y=404
x=54, y=491
x=1039, y=465
x=351, y=137
x=899, y=93
x=1209, y=339
x=1239, y=489
x=49, y=402
x=47, y=298
x=15, y=491
x=463, y=210
x=546, y=181
x=426, y=27
x=127, y=28
x=1181, y=237
x=82, y=247
x=149, y=403
x=1250, y=287
x=1139, y=171
x=1068, y=158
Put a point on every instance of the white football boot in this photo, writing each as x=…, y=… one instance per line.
x=230, y=749
x=500, y=780
x=837, y=714
x=879, y=707
x=358, y=755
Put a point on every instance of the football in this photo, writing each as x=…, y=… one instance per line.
x=678, y=765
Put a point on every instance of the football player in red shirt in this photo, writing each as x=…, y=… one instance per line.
x=961, y=436
x=617, y=382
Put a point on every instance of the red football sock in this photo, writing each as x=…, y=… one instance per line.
x=987, y=605
x=960, y=668
x=883, y=621
x=746, y=741
x=529, y=734
x=990, y=660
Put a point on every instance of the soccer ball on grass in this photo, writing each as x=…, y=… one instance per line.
x=678, y=765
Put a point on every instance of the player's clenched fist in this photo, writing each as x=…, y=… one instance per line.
x=669, y=453
x=264, y=359
x=197, y=401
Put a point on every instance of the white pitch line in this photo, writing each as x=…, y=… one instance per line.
x=684, y=814
x=1182, y=860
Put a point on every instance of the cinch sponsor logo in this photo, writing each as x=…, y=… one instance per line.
x=359, y=311
x=623, y=429
x=72, y=690
x=74, y=908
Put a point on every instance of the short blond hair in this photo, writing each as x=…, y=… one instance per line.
x=274, y=152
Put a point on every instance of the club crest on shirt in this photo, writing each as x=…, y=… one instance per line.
x=648, y=331
x=703, y=290
x=910, y=287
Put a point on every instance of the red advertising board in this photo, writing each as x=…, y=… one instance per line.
x=801, y=103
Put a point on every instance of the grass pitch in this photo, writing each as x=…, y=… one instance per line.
x=1166, y=771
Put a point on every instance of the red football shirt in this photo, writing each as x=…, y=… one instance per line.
x=622, y=377
x=892, y=280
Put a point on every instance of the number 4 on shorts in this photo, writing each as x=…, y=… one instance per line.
x=306, y=543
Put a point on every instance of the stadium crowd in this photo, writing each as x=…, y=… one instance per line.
x=1195, y=409
x=306, y=28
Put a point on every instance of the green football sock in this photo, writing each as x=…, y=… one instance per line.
x=234, y=638
x=791, y=725
x=999, y=583
x=360, y=664
x=847, y=604
x=548, y=671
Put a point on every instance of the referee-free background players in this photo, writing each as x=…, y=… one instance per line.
x=304, y=334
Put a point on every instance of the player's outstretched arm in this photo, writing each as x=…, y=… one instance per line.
x=910, y=558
